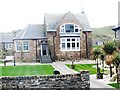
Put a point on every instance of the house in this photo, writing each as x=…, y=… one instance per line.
x=6, y=42
x=61, y=37
x=116, y=29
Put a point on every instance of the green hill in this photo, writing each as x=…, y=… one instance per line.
x=102, y=34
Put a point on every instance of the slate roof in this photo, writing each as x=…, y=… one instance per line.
x=32, y=31
x=52, y=20
x=6, y=37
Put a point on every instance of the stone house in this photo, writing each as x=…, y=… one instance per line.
x=61, y=37
x=6, y=43
x=116, y=29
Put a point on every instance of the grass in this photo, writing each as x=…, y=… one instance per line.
x=26, y=70
x=79, y=67
x=115, y=85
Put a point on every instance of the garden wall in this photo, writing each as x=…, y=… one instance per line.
x=54, y=82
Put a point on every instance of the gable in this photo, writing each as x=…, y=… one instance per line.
x=53, y=20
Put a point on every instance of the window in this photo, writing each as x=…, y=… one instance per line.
x=25, y=46
x=69, y=28
x=18, y=46
x=22, y=46
x=8, y=46
x=70, y=44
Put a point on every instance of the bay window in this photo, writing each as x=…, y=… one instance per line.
x=70, y=44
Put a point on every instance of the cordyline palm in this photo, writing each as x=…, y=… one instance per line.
x=109, y=48
x=102, y=57
x=116, y=62
x=96, y=56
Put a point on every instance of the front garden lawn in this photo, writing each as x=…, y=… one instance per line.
x=115, y=85
x=79, y=67
x=26, y=70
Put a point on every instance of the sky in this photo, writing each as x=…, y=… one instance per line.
x=16, y=14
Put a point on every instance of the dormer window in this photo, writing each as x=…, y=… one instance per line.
x=69, y=28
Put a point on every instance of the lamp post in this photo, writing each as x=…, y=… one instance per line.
x=14, y=58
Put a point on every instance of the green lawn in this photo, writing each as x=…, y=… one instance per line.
x=79, y=67
x=27, y=70
x=115, y=85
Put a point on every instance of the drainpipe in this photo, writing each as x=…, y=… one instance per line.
x=36, y=49
x=86, y=39
x=80, y=47
x=54, y=46
x=14, y=54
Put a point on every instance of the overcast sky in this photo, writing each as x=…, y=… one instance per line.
x=16, y=14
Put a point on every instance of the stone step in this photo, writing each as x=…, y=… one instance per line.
x=46, y=59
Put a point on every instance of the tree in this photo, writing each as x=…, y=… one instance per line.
x=96, y=52
x=102, y=57
x=109, y=48
x=116, y=62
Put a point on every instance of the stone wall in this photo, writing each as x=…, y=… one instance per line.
x=54, y=82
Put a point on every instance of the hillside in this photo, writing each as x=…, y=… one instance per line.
x=102, y=34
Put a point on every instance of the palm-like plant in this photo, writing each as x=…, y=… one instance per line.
x=116, y=62
x=109, y=48
x=102, y=57
x=97, y=52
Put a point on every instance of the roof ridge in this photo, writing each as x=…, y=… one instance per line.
x=24, y=31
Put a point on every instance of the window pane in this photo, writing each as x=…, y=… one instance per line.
x=77, y=45
x=25, y=46
x=68, y=45
x=63, y=40
x=63, y=45
x=73, y=39
x=69, y=28
x=73, y=45
x=68, y=39
x=76, y=30
x=62, y=30
x=10, y=46
x=78, y=39
x=18, y=46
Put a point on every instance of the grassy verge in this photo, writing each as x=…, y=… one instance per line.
x=79, y=67
x=115, y=85
x=27, y=70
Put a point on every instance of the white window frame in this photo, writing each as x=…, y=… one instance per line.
x=18, y=46
x=62, y=28
x=8, y=45
x=77, y=40
x=25, y=45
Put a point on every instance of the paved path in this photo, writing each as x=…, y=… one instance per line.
x=94, y=83
x=62, y=68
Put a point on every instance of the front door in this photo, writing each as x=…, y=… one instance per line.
x=44, y=49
